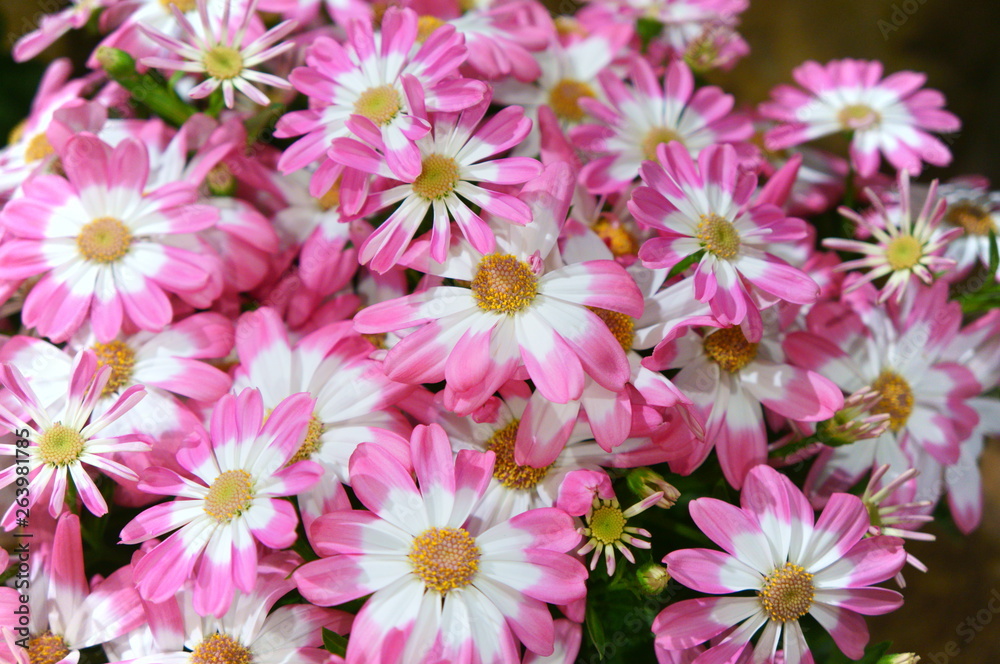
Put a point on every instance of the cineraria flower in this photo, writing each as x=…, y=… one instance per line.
x=890, y=516
x=95, y=236
x=643, y=115
x=243, y=471
x=706, y=208
x=367, y=81
x=892, y=115
x=53, y=26
x=61, y=440
x=444, y=588
x=794, y=565
x=975, y=209
x=451, y=158
x=521, y=307
x=218, y=52
x=906, y=248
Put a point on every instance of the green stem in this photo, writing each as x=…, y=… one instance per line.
x=144, y=88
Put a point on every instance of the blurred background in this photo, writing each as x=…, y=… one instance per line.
x=952, y=613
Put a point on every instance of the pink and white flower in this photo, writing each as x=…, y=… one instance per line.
x=892, y=115
x=443, y=588
x=233, y=503
x=795, y=566
x=972, y=207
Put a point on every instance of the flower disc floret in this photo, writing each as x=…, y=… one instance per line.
x=655, y=137
x=445, y=558
x=616, y=236
x=438, y=177
x=622, y=326
x=903, y=252
x=607, y=524
x=104, y=240
x=60, y=445
x=311, y=443
x=973, y=219
x=730, y=349
x=897, y=398
x=505, y=469
x=183, y=5
x=38, y=148
x=504, y=284
x=221, y=649
x=380, y=104
x=564, y=98
x=121, y=358
x=718, y=236
x=223, y=62
x=788, y=593
x=229, y=496
x=47, y=648
x=858, y=117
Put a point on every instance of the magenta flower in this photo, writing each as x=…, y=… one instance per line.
x=794, y=565
x=243, y=471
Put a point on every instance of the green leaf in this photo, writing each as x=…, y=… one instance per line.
x=994, y=252
x=334, y=643
x=685, y=263
x=872, y=655
x=595, y=629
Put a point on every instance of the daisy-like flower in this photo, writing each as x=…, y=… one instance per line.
x=53, y=26
x=62, y=440
x=795, y=566
x=890, y=514
x=905, y=248
x=892, y=115
x=452, y=156
x=444, y=589
x=706, y=207
x=365, y=79
x=645, y=114
x=242, y=473
x=976, y=210
x=95, y=238
x=218, y=52
x=522, y=307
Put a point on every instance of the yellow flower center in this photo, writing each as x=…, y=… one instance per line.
x=656, y=136
x=787, y=593
x=621, y=325
x=376, y=339
x=975, y=219
x=426, y=25
x=229, y=496
x=618, y=238
x=719, y=236
x=445, y=558
x=38, y=148
x=504, y=284
x=380, y=104
x=505, y=469
x=438, y=177
x=60, y=445
x=331, y=198
x=564, y=98
x=903, y=252
x=220, y=649
x=311, y=444
x=858, y=117
x=104, y=240
x=183, y=5
x=730, y=349
x=897, y=398
x=607, y=524
x=117, y=355
x=17, y=133
x=223, y=63
x=46, y=648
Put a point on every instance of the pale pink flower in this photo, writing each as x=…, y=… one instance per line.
x=53, y=26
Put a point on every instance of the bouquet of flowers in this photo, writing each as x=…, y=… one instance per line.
x=455, y=331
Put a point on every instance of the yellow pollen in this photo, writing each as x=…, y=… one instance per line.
x=564, y=98
x=220, y=649
x=38, y=148
x=504, y=284
x=120, y=358
x=618, y=238
x=223, y=63
x=46, y=648
x=656, y=136
x=567, y=26
x=331, y=198
x=229, y=496
x=380, y=105
x=787, y=593
x=377, y=340
x=505, y=469
x=621, y=325
x=730, y=349
x=718, y=236
x=311, y=444
x=607, y=524
x=60, y=445
x=975, y=219
x=104, y=240
x=897, y=398
x=903, y=252
x=858, y=117
x=426, y=25
x=445, y=558
x=183, y=5
x=438, y=177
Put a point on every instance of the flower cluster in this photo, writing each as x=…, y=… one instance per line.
x=405, y=332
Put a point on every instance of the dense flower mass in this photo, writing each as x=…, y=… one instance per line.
x=341, y=331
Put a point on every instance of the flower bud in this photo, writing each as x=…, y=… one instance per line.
x=644, y=482
x=652, y=578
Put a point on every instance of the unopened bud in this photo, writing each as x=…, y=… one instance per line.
x=644, y=482
x=653, y=578
x=854, y=421
x=904, y=658
x=221, y=181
